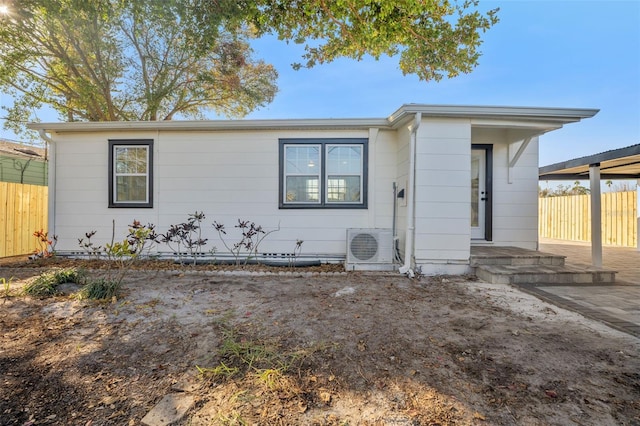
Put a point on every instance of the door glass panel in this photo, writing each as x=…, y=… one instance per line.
x=475, y=190
x=478, y=193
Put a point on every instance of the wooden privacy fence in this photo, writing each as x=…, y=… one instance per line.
x=569, y=218
x=23, y=210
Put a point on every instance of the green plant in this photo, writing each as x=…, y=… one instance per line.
x=46, y=245
x=187, y=235
x=88, y=245
x=6, y=285
x=232, y=419
x=100, y=289
x=272, y=378
x=195, y=242
x=46, y=284
x=251, y=237
x=241, y=355
x=296, y=252
x=121, y=254
x=221, y=370
x=137, y=244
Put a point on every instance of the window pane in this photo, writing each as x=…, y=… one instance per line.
x=131, y=189
x=303, y=160
x=344, y=160
x=131, y=160
x=343, y=189
x=302, y=189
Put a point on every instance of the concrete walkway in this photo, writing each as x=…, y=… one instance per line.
x=624, y=260
x=617, y=305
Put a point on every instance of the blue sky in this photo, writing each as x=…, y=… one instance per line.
x=583, y=54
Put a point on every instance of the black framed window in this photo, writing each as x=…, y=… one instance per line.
x=323, y=173
x=131, y=173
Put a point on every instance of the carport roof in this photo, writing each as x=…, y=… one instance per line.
x=622, y=163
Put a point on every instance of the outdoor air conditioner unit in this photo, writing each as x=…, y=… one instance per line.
x=369, y=247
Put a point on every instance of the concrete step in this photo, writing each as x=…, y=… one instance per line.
x=512, y=256
x=539, y=259
x=545, y=274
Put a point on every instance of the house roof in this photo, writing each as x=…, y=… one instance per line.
x=542, y=119
x=622, y=163
x=15, y=149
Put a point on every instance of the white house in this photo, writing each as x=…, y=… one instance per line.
x=439, y=178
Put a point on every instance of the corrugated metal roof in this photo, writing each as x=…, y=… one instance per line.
x=621, y=163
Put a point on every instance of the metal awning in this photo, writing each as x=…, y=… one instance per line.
x=622, y=163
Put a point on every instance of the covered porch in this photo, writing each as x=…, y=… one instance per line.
x=617, y=164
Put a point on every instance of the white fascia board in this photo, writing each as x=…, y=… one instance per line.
x=214, y=125
x=394, y=121
x=557, y=115
x=542, y=125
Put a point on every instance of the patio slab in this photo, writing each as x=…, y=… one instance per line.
x=617, y=304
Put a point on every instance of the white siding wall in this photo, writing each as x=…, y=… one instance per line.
x=234, y=175
x=404, y=137
x=227, y=175
x=443, y=171
x=81, y=191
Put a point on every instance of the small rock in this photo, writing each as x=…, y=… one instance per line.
x=344, y=291
x=170, y=409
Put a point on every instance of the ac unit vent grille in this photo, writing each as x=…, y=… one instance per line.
x=368, y=246
x=364, y=246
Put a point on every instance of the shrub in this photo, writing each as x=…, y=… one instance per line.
x=187, y=235
x=251, y=235
x=46, y=246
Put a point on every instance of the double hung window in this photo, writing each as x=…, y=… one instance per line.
x=323, y=173
x=130, y=173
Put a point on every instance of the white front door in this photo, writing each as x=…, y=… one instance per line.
x=478, y=193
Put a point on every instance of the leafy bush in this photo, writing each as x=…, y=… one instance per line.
x=46, y=246
x=187, y=235
x=122, y=254
x=251, y=237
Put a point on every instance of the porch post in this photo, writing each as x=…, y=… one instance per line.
x=596, y=215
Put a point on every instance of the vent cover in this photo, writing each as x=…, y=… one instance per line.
x=369, y=246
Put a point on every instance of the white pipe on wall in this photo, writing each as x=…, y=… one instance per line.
x=51, y=224
x=409, y=235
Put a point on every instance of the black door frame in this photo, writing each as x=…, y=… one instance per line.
x=488, y=198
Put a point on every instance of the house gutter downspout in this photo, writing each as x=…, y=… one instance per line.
x=52, y=182
x=408, y=244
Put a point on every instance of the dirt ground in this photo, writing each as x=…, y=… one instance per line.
x=302, y=348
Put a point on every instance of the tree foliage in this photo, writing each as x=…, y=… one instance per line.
x=115, y=60
x=105, y=60
x=563, y=190
x=433, y=38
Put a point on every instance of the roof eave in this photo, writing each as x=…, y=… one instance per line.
x=215, y=125
x=559, y=115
